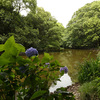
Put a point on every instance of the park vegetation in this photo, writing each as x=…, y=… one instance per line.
x=28, y=77
x=89, y=77
x=42, y=31
x=83, y=30
x=38, y=29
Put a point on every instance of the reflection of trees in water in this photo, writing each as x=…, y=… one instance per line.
x=71, y=57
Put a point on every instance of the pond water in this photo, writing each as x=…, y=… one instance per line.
x=71, y=58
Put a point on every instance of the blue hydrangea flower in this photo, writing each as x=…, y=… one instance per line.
x=31, y=52
x=65, y=69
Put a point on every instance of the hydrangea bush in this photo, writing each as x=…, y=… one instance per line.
x=27, y=78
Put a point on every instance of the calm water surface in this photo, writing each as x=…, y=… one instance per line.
x=71, y=58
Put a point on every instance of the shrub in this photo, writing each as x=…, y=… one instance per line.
x=90, y=90
x=89, y=70
x=89, y=76
x=27, y=78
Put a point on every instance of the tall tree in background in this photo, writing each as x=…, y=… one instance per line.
x=10, y=17
x=50, y=31
x=83, y=30
x=38, y=29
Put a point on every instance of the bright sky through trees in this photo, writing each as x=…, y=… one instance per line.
x=62, y=10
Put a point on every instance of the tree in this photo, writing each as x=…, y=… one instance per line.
x=50, y=31
x=83, y=30
x=10, y=19
x=38, y=29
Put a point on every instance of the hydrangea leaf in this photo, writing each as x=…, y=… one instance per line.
x=1, y=47
x=20, y=47
x=37, y=94
x=47, y=58
x=36, y=60
x=3, y=61
x=20, y=60
x=9, y=43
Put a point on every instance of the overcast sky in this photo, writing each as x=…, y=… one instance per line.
x=62, y=10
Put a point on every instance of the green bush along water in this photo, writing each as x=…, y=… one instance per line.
x=89, y=77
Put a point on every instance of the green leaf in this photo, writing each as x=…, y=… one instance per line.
x=12, y=51
x=12, y=75
x=62, y=73
x=36, y=60
x=47, y=55
x=20, y=47
x=1, y=47
x=9, y=43
x=22, y=61
x=3, y=61
x=47, y=58
x=37, y=94
x=10, y=54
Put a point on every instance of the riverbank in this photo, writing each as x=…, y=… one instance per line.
x=74, y=88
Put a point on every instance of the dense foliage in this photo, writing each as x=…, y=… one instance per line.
x=90, y=90
x=38, y=29
x=42, y=31
x=89, y=77
x=89, y=70
x=27, y=78
x=83, y=30
x=10, y=14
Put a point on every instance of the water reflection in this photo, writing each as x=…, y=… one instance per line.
x=65, y=81
x=70, y=57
